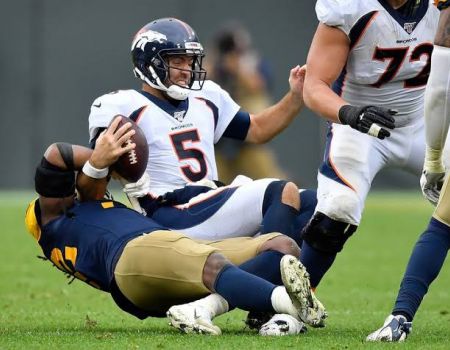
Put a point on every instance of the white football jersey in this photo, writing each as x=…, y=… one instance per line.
x=180, y=140
x=389, y=58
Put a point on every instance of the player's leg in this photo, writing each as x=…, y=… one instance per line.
x=351, y=161
x=249, y=291
x=431, y=249
x=308, y=203
x=423, y=267
x=281, y=208
x=166, y=268
x=266, y=204
x=263, y=260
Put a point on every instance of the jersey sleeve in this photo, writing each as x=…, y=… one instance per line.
x=104, y=108
x=337, y=13
x=226, y=106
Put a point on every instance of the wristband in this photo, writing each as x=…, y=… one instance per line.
x=433, y=160
x=93, y=172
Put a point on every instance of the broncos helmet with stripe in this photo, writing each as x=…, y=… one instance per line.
x=151, y=47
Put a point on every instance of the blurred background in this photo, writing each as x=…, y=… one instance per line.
x=57, y=56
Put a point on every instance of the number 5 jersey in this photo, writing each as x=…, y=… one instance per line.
x=180, y=134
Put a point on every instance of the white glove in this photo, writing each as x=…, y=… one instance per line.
x=431, y=184
x=139, y=188
x=205, y=182
x=433, y=175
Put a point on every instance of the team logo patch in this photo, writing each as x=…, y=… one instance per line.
x=409, y=27
x=143, y=38
x=179, y=115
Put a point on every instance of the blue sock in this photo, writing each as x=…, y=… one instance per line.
x=308, y=202
x=244, y=290
x=265, y=265
x=316, y=263
x=423, y=267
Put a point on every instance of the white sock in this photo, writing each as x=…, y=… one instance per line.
x=214, y=303
x=282, y=303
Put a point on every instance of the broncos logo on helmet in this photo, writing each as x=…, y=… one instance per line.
x=143, y=38
x=152, y=46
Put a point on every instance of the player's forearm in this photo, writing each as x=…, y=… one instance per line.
x=90, y=188
x=270, y=122
x=437, y=105
x=322, y=100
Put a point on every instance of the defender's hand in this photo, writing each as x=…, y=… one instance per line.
x=138, y=189
x=370, y=120
x=431, y=185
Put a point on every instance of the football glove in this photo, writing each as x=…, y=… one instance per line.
x=431, y=184
x=138, y=189
x=433, y=175
x=370, y=120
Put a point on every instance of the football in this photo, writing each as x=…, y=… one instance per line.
x=131, y=165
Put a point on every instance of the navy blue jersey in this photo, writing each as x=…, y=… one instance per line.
x=88, y=239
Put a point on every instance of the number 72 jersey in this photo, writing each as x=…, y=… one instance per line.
x=390, y=54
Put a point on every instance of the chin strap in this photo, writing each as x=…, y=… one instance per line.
x=174, y=91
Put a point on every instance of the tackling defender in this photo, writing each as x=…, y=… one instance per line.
x=183, y=116
x=368, y=58
x=431, y=249
x=117, y=250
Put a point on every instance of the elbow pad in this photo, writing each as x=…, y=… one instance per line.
x=51, y=181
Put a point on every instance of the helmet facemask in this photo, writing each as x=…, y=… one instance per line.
x=162, y=67
x=158, y=73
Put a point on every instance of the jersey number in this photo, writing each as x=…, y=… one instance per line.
x=396, y=57
x=67, y=261
x=183, y=152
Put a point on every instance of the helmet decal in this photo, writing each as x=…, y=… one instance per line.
x=141, y=39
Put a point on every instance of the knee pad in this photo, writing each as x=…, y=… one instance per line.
x=327, y=235
x=273, y=192
x=341, y=203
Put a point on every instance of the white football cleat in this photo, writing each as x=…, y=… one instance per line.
x=282, y=324
x=296, y=280
x=395, y=329
x=192, y=319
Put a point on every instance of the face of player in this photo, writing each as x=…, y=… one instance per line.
x=180, y=70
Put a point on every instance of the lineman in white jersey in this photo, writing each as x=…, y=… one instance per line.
x=368, y=56
x=183, y=116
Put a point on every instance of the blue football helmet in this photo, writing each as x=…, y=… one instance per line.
x=151, y=47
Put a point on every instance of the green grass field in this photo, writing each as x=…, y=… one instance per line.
x=38, y=309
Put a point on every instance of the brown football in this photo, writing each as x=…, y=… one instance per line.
x=132, y=165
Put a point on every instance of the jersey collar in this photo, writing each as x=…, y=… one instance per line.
x=407, y=23
x=176, y=109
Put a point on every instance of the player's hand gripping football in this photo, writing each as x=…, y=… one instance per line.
x=370, y=120
x=108, y=147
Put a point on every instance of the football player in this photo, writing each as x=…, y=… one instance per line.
x=183, y=116
x=431, y=249
x=117, y=250
x=368, y=60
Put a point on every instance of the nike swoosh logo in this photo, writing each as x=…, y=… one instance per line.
x=98, y=105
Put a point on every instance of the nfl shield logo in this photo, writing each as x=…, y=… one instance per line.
x=409, y=27
x=179, y=115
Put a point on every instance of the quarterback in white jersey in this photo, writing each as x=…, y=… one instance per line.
x=367, y=57
x=183, y=116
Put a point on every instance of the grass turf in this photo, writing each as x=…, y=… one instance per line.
x=38, y=309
